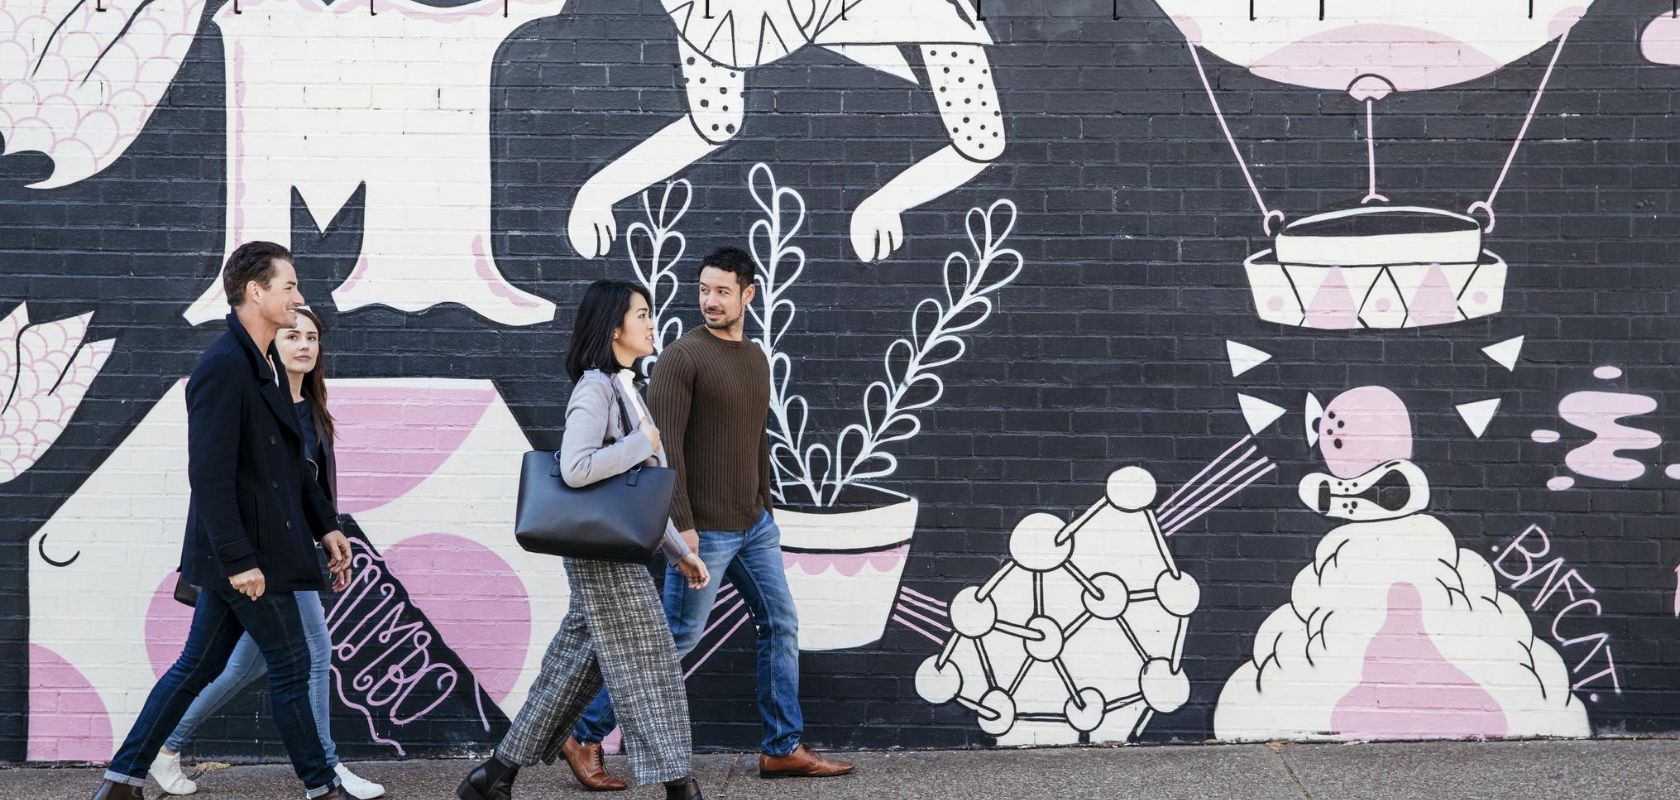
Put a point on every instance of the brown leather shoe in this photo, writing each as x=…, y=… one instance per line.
x=111, y=790
x=803, y=762
x=589, y=766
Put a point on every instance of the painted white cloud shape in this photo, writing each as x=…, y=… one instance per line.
x=1394, y=632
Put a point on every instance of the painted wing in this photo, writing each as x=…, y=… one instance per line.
x=78, y=83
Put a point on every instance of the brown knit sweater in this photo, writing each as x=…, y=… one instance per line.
x=711, y=398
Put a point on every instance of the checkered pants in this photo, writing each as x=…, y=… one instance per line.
x=615, y=629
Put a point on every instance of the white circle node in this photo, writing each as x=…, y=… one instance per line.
x=1131, y=488
x=1033, y=543
x=1085, y=718
x=1112, y=599
x=1180, y=595
x=972, y=616
x=1049, y=646
x=938, y=684
x=1164, y=689
x=1002, y=712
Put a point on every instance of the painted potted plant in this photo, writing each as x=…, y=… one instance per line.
x=843, y=565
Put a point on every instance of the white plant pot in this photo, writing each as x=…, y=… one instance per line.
x=843, y=569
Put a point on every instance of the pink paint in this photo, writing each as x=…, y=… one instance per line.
x=1673, y=471
x=1598, y=413
x=1362, y=428
x=1607, y=373
x=44, y=374
x=1564, y=20
x=1560, y=483
x=390, y=439
x=167, y=623
x=67, y=719
x=493, y=279
x=1434, y=302
x=1412, y=59
x=1189, y=27
x=1332, y=307
x=357, y=274
x=847, y=564
x=85, y=118
x=474, y=598
x=1660, y=43
x=1544, y=436
x=1408, y=689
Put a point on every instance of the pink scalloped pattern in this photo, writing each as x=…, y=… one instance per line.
x=79, y=84
x=44, y=373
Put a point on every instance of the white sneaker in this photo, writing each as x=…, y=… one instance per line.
x=166, y=770
x=357, y=786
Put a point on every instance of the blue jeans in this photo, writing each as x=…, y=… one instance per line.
x=752, y=560
x=221, y=616
x=247, y=664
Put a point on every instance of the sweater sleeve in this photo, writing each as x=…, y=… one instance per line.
x=583, y=458
x=670, y=394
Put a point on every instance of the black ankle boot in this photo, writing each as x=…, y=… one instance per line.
x=492, y=780
x=685, y=789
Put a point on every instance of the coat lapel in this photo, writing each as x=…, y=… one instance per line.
x=277, y=399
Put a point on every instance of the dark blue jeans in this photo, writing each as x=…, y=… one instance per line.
x=220, y=618
x=752, y=560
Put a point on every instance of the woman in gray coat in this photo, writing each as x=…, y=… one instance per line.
x=615, y=628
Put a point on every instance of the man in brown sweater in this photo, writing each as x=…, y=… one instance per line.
x=710, y=397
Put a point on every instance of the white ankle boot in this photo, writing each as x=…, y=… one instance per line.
x=166, y=770
x=357, y=786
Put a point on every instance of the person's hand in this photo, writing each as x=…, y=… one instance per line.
x=694, y=571
x=691, y=538
x=338, y=558
x=652, y=433
x=249, y=583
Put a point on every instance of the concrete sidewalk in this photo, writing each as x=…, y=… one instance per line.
x=1590, y=770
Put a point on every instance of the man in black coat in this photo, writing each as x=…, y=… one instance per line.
x=251, y=528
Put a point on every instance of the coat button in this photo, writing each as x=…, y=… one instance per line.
x=288, y=524
x=273, y=484
x=271, y=440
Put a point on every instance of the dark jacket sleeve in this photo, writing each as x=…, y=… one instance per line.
x=215, y=409
x=317, y=507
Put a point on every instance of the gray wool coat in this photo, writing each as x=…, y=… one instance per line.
x=599, y=442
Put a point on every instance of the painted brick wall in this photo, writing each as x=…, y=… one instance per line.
x=1350, y=486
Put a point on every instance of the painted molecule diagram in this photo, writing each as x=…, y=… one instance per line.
x=1078, y=636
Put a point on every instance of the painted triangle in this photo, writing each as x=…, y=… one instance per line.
x=1258, y=413
x=1505, y=353
x=1244, y=358
x=1477, y=415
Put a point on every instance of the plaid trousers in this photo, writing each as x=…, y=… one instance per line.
x=614, y=629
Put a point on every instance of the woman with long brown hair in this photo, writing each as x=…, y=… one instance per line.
x=304, y=364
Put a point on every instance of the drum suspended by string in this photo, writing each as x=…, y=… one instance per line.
x=1375, y=265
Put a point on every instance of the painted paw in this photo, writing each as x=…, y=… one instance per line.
x=591, y=228
x=876, y=231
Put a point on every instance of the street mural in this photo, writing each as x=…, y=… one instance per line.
x=1049, y=451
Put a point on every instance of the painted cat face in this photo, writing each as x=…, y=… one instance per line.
x=1392, y=490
